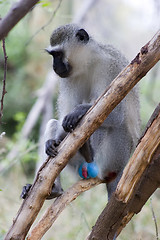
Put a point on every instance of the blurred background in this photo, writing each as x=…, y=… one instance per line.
x=31, y=97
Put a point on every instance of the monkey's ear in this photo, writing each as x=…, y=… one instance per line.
x=82, y=36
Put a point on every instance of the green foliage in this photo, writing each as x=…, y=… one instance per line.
x=4, y=6
x=19, y=83
x=45, y=3
x=26, y=156
x=29, y=159
x=19, y=117
x=2, y=233
x=149, y=96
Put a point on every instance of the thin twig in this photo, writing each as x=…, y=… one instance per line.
x=4, y=78
x=45, y=25
x=154, y=219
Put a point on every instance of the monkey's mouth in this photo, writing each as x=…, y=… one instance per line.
x=63, y=70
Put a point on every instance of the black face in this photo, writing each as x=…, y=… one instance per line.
x=82, y=36
x=60, y=67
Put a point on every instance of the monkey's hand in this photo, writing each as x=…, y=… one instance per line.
x=51, y=147
x=71, y=120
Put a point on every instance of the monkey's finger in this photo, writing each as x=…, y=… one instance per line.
x=51, y=153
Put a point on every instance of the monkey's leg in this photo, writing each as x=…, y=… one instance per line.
x=87, y=152
x=56, y=190
x=111, y=186
x=54, y=134
x=112, y=152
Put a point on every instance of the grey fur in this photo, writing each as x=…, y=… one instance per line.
x=60, y=35
x=94, y=66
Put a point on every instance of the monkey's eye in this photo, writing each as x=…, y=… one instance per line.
x=82, y=36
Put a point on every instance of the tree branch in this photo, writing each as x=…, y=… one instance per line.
x=118, y=89
x=16, y=13
x=139, y=180
x=4, y=78
x=155, y=220
x=46, y=24
x=58, y=206
x=60, y=203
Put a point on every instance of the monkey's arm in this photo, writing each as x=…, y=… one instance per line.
x=71, y=120
x=69, y=123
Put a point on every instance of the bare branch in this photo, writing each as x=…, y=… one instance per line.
x=58, y=206
x=139, y=180
x=45, y=25
x=16, y=13
x=4, y=78
x=154, y=219
x=118, y=89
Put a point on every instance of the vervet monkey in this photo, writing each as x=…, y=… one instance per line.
x=85, y=69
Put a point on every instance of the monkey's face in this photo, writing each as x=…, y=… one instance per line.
x=60, y=65
x=67, y=46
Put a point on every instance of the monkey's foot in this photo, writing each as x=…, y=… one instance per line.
x=25, y=190
x=56, y=191
x=88, y=170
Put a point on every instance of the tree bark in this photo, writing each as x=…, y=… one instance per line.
x=149, y=181
x=123, y=83
x=139, y=180
x=16, y=13
x=58, y=206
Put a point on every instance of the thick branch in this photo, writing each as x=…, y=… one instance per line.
x=124, y=82
x=144, y=190
x=140, y=179
x=58, y=206
x=16, y=13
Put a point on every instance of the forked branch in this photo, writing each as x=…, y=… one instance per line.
x=58, y=206
x=123, y=83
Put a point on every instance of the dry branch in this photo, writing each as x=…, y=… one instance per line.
x=16, y=13
x=4, y=78
x=139, y=180
x=123, y=83
x=58, y=206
